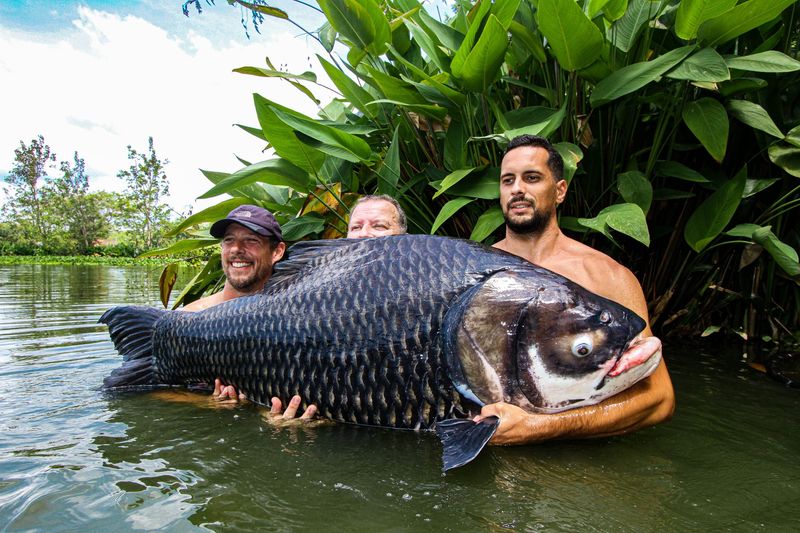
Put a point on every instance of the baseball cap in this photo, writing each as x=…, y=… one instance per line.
x=251, y=217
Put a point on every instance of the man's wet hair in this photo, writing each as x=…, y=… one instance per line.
x=401, y=215
x=554, y=160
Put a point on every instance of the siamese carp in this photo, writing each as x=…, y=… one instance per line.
x=410, y=331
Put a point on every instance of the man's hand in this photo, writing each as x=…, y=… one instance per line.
x=517, y=426
x=636, y=354
x=291, y=409
x=227, y=393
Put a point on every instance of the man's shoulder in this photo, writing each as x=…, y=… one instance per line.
x=204, y=303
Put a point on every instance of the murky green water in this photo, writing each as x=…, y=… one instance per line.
x=72, y=457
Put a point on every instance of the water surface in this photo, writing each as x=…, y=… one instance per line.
x=72, y=457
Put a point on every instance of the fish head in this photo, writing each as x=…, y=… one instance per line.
x=540, y=342
x=567, y=344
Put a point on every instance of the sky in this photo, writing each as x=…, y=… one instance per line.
x=98, y=75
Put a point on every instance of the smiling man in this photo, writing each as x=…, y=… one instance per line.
x=531, y=188
x=251, y=244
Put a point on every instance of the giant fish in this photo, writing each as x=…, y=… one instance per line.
x=410, y=331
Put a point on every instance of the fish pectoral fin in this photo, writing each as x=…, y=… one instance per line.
x=463, y=439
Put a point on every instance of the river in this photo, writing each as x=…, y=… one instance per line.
x=72, y=457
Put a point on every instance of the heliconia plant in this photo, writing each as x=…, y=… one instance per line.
x=678, y=122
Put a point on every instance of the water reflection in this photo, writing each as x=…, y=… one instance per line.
x=73, y=457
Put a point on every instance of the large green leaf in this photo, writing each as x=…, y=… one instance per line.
x=574, y=39
x=692, y=13
x=635, y=188
x=708, y=121
x=783, y=254
x=395, y=89
x=771, y=61
x=572, y=155
x=272, y=171
x=297, y=228
x=625, y=31
x=452, y=179
x=704, y=66
x=351, y=90
x=633, y=77
x=549, y=120
x=742, y=18
x=787, y=157
x=482, y=65
x=754, y=116
x=711, y=216
x=529, y=39
x=291, y=78
x=484, y=185
x=448, y=210
x=281, y=136
x=673, y=169
x=626, y=218
x=209, y=214
x=475, y=25
x=362, y=22
x=329, y=140
x=504, y=11
x=487, y=224
x=182, y=246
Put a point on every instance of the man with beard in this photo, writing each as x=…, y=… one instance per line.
x=531, y=187
x=251, y=243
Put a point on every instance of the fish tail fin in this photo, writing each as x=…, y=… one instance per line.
x=131, y=329
x=463, y=439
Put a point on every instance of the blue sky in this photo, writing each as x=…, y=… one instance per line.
x=95, y=76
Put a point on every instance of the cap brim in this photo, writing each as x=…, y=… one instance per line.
x=218, y=228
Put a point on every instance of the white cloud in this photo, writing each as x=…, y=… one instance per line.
x=112, y=80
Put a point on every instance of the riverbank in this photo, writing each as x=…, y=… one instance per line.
x=86, y=260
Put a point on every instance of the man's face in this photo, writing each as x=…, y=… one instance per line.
x=247, y=258
x=373, y=218
x=528, y=193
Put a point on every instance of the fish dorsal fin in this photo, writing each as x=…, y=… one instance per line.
x=480, y=331
x=305, y=255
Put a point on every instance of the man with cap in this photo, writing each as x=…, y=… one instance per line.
x=251, y=242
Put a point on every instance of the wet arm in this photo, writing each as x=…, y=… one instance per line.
x=647, y=403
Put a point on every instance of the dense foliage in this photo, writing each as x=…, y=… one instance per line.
x=56, y=214
x=678, y=121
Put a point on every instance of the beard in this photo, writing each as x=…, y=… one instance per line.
x=534, y=223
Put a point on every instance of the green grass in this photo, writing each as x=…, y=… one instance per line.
x=82, y=260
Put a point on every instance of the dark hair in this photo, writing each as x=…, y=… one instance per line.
x=401, y=215
x=554, y=160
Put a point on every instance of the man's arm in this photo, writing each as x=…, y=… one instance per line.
x=649, y=402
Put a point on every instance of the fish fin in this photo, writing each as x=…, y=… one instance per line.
x=131, y=329
x=301, y=255
x=463, y=439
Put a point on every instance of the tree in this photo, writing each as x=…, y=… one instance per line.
x=147, y=185
x=28, y=177
x=80, y=209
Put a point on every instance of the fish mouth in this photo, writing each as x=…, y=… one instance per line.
x=644, y=362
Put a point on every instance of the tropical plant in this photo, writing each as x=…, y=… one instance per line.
x=677, y=120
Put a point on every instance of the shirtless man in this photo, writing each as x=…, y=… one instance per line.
x=531, y=187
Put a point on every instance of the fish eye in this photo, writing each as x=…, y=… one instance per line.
x=582, y=346
x=605, y=317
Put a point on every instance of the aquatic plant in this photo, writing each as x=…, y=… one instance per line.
x=678, y=122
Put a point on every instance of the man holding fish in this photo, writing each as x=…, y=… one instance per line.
x=531, y=188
